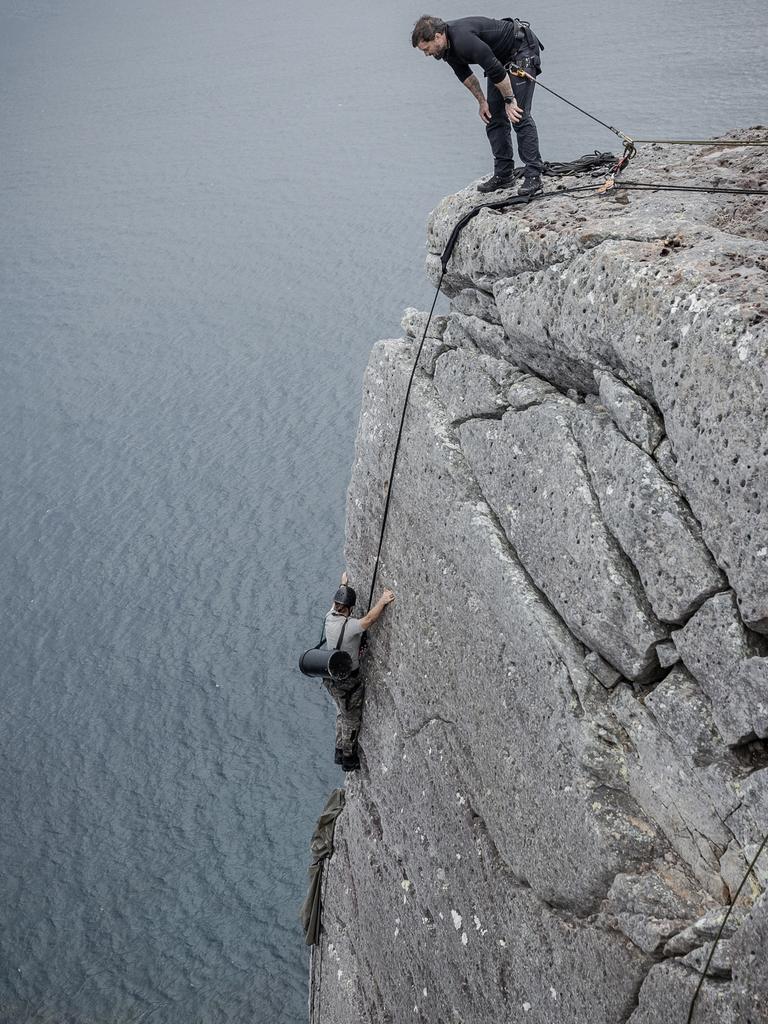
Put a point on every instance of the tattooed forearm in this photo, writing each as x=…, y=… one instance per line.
x=475, y=88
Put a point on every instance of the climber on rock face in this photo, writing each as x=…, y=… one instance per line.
x=493, y=44
x=349, y=695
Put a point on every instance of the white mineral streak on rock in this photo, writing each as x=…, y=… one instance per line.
x=569, y=700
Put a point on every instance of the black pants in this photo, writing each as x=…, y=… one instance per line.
x=499, y=130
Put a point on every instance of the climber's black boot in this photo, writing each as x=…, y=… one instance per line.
x=530, y=186
x=497, y=182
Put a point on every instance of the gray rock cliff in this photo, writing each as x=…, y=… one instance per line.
x=565, y=767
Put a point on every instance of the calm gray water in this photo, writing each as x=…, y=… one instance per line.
x=209, y=212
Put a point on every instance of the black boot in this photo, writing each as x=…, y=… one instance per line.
x=351, y=763
x=530, y=186
x=497, y=182
x=337, y=757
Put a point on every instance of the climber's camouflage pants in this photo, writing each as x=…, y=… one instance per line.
x=349, y=702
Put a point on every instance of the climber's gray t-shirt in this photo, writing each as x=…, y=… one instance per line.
x=352, y=634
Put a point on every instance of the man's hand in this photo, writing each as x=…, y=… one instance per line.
x=344, y=578
x=484, y=111
x=514, y=112
x=376, y=612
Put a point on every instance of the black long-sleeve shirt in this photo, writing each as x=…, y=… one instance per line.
x=484, y=41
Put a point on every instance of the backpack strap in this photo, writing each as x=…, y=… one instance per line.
x=340, y=641
x=324, y=641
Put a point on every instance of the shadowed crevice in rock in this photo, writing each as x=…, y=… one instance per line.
x=412, y=733
x=621, y=553
x=461, y=420
x=560, y=537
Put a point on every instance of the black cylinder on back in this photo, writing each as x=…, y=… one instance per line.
x=320, y=661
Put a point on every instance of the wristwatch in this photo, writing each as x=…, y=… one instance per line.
x=509, y=99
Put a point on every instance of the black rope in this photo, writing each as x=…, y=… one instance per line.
x=701, y=142
x=651, y=186
x=589, y=162
x=519, y=73
x=500, y=204
x=722, y=926
x=399, y=436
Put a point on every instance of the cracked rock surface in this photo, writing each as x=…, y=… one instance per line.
x=565, y=767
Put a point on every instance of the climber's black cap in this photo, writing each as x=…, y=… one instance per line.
x=345, y=596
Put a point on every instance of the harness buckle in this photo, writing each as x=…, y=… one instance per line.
x=517, y=70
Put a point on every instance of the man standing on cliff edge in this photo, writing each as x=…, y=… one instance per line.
x=493, y=44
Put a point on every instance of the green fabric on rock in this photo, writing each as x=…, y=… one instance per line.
x=321, y=846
